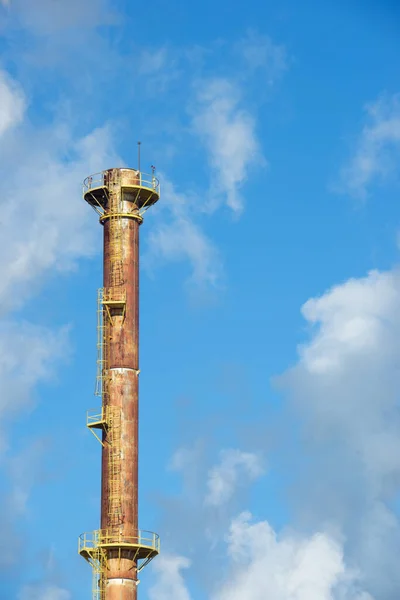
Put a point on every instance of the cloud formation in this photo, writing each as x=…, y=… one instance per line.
x=287, y=567
x=41, y=197
x=344, y=391
x=227, y=129
x=236, y=468
x=378, y=148
x=12, y=103
x=169, y=578
x=45, y=227
x=175, y=235
x=263, y=565
x=28, y=354
x=228, y=132
x=340, y=426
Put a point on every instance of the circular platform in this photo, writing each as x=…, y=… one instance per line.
x=140, y=189
x=145, y=546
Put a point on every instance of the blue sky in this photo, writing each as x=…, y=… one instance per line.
x=270, y=428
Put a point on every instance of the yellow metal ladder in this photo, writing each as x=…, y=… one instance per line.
x=115, y=240
x=114, y=466
x=101, y=345
x=98, y=562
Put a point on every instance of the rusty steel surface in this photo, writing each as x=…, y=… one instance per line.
x=121, y=275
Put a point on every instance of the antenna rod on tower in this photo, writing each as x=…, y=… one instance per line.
x=139, y=143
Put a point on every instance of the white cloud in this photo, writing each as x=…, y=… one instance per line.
x=235, y=469
x=345, y=391
x=43, y=592
x=175, y=236
x=181, y=239
x=228, y=133
x=27, y=355
x=347, y=377
x=351, y=320
x=343, y=395
x=184, y=458
x=378, y=148
x=45, y=224
x=12, y=103
x=263, y=565
x=169, y=579
x=287, y=567
x=45, y=227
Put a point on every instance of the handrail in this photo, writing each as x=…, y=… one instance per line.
x=114, y=295
x=94, y=415
x=101, y=537
x=97, y=180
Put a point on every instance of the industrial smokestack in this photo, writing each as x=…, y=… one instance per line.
x=119, y=549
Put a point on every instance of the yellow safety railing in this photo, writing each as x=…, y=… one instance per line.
x=94, y=415
x=100, y=538
x=114, y=296
x=99, y=180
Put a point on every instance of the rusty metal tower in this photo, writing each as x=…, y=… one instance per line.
x=118, y=550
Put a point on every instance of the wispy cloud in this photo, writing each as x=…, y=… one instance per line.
x=378, y=148
x=228, y=132
x=41, y=196
x=175, y=235
x=236, y=468
x=28, y=354
x=222, y=118
x=28, y=357
x=12, y=103
x=169, y=579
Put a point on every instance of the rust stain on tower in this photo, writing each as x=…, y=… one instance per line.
x=119, y=549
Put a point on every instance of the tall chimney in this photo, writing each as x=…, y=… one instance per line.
x=119, y=549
